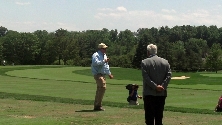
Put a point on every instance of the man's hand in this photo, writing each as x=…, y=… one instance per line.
x=159, y=88
x=140, y=97
x=107, y=60
x=110, y=76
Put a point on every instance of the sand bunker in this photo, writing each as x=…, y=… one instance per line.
x=181, y=77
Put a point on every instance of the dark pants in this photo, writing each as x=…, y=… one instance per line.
x=154, y=106
x=218, y=109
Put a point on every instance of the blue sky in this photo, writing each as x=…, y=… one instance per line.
x=81, y=15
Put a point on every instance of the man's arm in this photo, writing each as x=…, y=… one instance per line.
x=131, y=94
x=146, y=77
x=168, y=78
x=96, y=61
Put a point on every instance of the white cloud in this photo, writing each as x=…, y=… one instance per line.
x=169, y=17
x=121, y=9
x=105, y=9
x=117, y=13
x=120, y=18
x=200, y=14
x=100, y=15
x=144, y=13
x=168, y=11
x=123, y=19
x=31, y=26
x=22, y=3
x=195, y=17
x=53, y=26
x=60, y=23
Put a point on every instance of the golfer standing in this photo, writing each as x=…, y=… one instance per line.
x=100, y=69
x=156, y=75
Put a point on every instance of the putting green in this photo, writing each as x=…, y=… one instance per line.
x=65, y=73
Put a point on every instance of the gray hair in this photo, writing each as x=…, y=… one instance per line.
x=152, y=49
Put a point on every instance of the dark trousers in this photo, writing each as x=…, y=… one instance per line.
x=218, y=109
x=154, y=106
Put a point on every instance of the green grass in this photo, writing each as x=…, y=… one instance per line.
x=64, y=95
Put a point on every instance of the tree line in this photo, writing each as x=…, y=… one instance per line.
x=187, y=48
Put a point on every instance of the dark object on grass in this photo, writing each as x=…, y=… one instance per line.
x=218, y=109
x=128, y=99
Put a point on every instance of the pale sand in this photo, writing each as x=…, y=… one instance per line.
x=181, y=77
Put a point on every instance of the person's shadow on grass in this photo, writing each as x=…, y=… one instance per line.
x=86, y=111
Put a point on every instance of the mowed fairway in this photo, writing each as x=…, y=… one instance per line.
x=59, y=95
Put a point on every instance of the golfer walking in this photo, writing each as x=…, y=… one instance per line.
x=100, y=68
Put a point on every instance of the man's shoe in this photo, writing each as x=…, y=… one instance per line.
x=99, y=109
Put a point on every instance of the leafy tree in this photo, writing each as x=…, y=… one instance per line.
x=213, y=35
x=183, y=46
x=3, y=31
x=26, y=48
x=1, y=51
x=60, y=43
x=144, y=38
x=220, y=36
x=88, y=42
x=195, y=50
x=19, y=48
x=113, y=35
x=214, y=58
x=126, y=41
x=162, y=42
x=175, y=34
x=176, y=56
x=51, y=55
x=154, y=32
x=71, y=51
x=188, y=32
x=9, y=43
x=41, y=50
x=201, y=32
